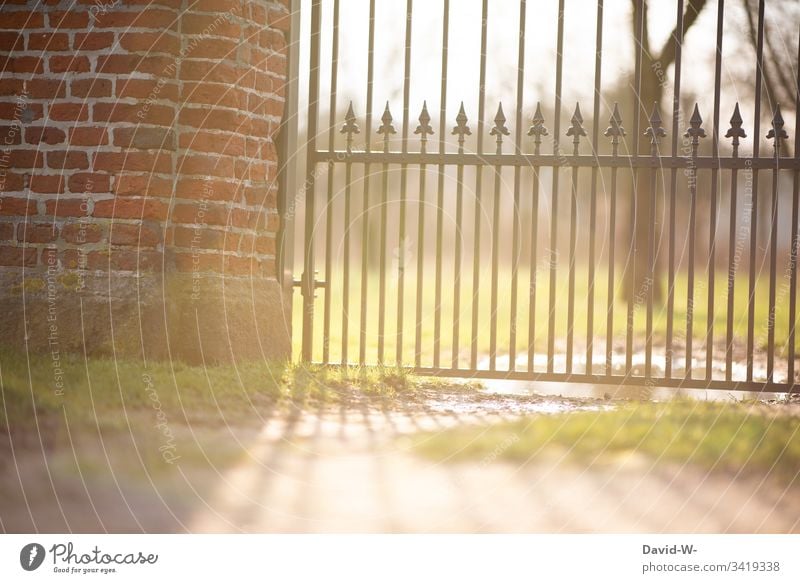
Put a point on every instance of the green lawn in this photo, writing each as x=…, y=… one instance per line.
x=723, y=436
x=503, y=319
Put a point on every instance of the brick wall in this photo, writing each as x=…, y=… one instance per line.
x=137, y=140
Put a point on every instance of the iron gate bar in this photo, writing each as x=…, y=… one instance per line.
x=554, y=192
x=512, y=341
x=639, y=9
x=735, y=132
x=326, y=325
x=440, y=198
x=676, y=112
x=712, y=236
x=615, y=131
x=593, y=209
x=636, y=161
x=478, y=183
x=362, y=348
x=537, y=130
x=793, y=243
x=754, y=207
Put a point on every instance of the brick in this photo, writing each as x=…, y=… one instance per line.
x=88, y=182
x=214, y=94
x=6, y=231
x=152, y=89
x=161, y=66
x=17, y=207
x=142, y=185
x=10, y=110
x=209, y=24
x=82, y=232
x=65, y=207
x=206, y=165
x=48, y=41
x=11, y=41
x=134, y=235
x=123, y=260
x=11, y=86
x=47, y=183
x=228, y=144
x=10, y=135
x=10, y=64
x=219, y=6
x=17, y=256
x=213, y=214
x=69, y=19
x=150, y=42
x=204, y=262
x=67, y=159
x=192, y=70
x=69, y=111
x=265, y=245
x=71, y=64
x=90, y=88
x=206, y=189
x=212, y=119
x=128, y=208
x=44, y=135
x=46, y=89
x=25, y=159
x=145, y=138
x=22, y=20
x=133, y=162
x=212, y=48
x=150, y=18
x=37, y=232
x=133, y=113
x=93, y=41
x=201, y=238
x=88, y=136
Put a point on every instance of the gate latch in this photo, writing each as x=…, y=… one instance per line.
x=309, y=285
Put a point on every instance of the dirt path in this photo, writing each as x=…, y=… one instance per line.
x=352, y=470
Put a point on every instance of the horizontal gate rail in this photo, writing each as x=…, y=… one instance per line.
x=566, y=161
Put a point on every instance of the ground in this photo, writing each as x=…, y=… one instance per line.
x=387, y=453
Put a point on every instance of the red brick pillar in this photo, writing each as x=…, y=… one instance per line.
x=138, y=193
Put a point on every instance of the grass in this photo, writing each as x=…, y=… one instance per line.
x=503, y=313
x=722, y=436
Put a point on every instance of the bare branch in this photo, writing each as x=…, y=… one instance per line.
x=693, y=9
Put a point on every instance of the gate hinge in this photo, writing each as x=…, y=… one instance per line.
x=308, y=285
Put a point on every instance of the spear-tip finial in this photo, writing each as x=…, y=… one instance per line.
x=461, y=128
x=499, y=128
x=576, y=129
x=695, y=131
x=350, y=126
x=615, y=129
x=537, y=129
x=424, y=128
x=777, y=132
x=386, y=127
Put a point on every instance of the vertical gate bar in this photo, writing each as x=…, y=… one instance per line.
x=573, y=225
x=498, y=130
x=655, y=131
x=612, y=227
x=362, y=350
x=537, y=130
x=732, y=258
x=552, y=253
x=420, y=264
x=751, y=284
x=346, y=266
x=773, y=263
x=313, y=110
x=401, y=244
x=476, y=267
x=690, y=275
x=793, y=248
x=593, y=210
x=712, y=236
x=673, y=186
x=457, y=257
x=512, y=350
x=437, y=321
x=382, y=259
x=326, y=325
x=639, y=31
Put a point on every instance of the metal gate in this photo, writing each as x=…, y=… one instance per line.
x=407, y=227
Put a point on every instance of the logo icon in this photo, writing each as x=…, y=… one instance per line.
x=31, y=556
